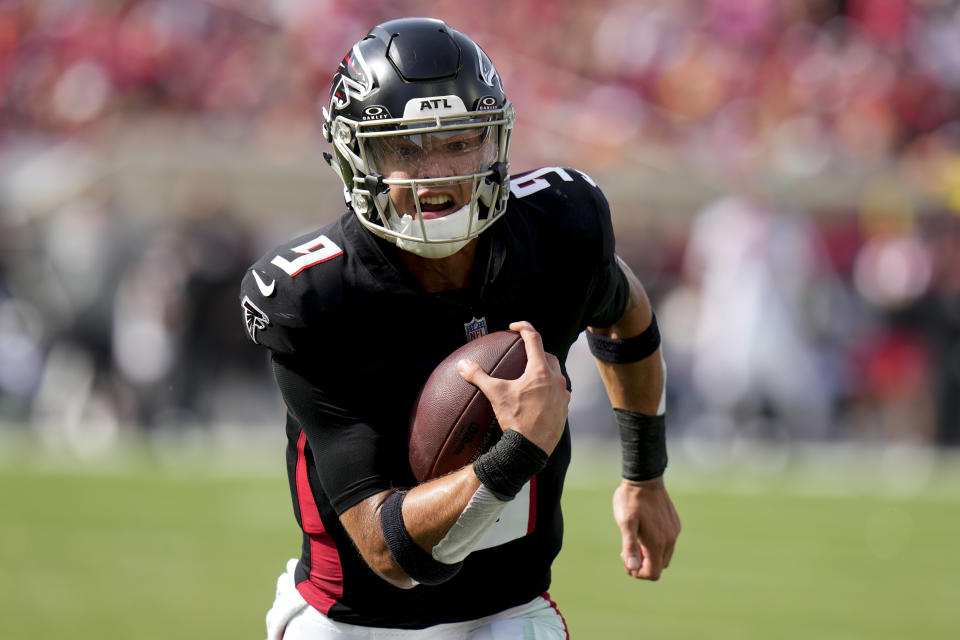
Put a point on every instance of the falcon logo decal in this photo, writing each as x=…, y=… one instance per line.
x=254, y=318
x=354, y=81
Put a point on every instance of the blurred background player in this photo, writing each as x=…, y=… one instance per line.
x=443, y=245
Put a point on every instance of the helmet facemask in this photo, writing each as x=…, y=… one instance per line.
x=430, y=185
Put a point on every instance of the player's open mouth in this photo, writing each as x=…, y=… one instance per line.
x=436, y=205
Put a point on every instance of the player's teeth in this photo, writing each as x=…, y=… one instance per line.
x=433, y=199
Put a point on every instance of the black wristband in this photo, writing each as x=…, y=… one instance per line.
x=643, y=441
x=619, y=351
x=416, y=563
x=507, y=466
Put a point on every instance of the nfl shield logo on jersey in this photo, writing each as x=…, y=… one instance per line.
x=475, y=328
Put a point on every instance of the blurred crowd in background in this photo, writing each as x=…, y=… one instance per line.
x=784, y=175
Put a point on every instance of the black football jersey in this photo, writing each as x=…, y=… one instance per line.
x=353, y=338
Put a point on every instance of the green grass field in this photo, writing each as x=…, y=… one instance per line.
x=136, y=548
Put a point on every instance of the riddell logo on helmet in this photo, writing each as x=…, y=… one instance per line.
x=433, y=106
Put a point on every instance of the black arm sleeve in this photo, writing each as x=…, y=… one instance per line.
x=353, y=457
x=610, y=291
x=609, y=288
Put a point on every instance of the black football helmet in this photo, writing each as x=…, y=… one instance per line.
x=417, y=111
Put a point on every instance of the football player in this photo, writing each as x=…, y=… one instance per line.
x=441, y=244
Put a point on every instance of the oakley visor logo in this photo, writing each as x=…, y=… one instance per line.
x=486, y=103
x=375, y=112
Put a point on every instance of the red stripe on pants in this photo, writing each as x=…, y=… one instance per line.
x=546, y=596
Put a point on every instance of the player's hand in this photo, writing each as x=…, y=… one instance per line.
x=535, y=404
x=649, y=526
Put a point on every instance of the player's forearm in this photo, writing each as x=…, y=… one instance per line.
x=636, y=386
x=429, y=511
x=630, y=363
x=426, y=533
x=362, y=522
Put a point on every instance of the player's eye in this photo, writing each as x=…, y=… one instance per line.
x=406, y=152
x=465, y=144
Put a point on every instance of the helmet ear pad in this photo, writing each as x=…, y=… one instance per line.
x=342, y=168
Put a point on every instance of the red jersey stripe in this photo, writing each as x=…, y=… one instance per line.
x=324, y=585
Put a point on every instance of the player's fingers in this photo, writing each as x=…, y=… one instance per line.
x=474, y=374
x=553, y=363
x=532, y=342
x=630, y=552
x=652, y=563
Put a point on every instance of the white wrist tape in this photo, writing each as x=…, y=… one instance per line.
x=480, y=514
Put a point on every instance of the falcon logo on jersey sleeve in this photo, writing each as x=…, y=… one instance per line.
x=255, y=319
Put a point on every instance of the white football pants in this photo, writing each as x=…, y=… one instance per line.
x=291, y=618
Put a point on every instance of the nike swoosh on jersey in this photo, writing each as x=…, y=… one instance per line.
x=265, y=289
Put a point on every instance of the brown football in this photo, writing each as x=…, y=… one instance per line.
x=452, y=422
